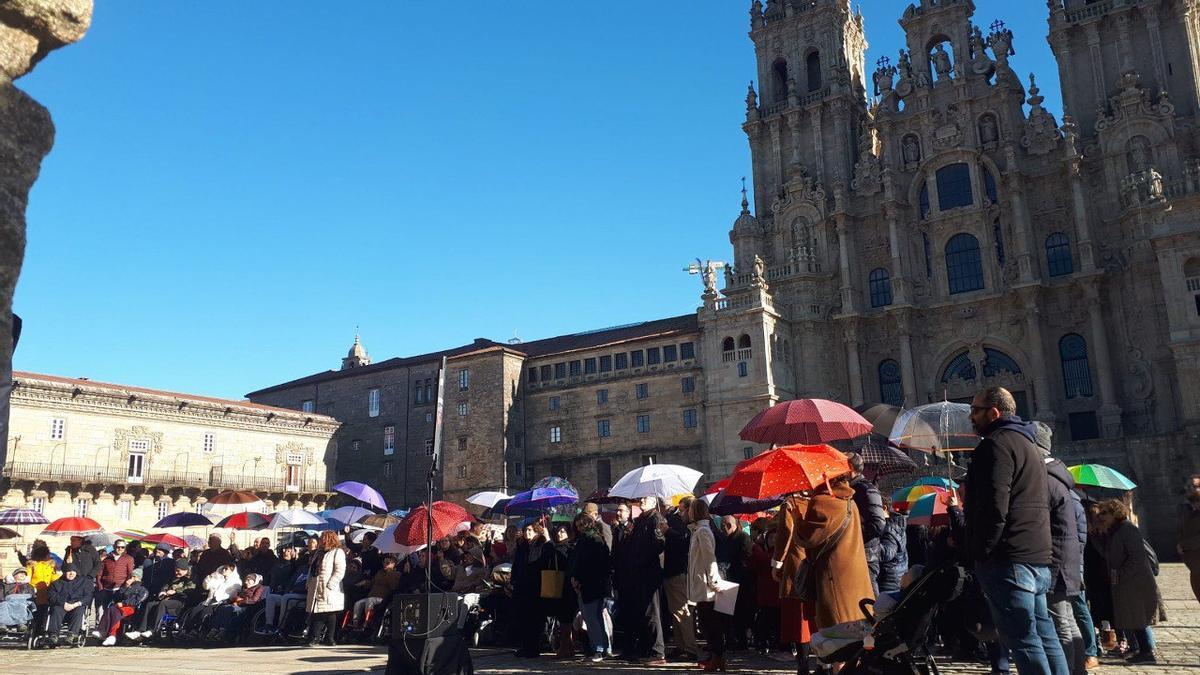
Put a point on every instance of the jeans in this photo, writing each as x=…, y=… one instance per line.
x=1145, y=640
x=1083, y=617
x=1016, y=595
x=1063, y=616
x=593, y=620
x=998, y=657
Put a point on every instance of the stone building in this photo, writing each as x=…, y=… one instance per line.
x=918, y=231
x=127, y=456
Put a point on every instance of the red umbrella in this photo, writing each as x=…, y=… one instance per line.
x=795, y=468
x=446, y=518
x=165, y=539
x=246, y=520
x=808, y=421
x=717, y=486
x=74, y=526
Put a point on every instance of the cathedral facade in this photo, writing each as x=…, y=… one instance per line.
x=918, y=231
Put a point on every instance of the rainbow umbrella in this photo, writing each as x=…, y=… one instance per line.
x=929, y=510
x=903, y=498
x=937, y=481
x=131, y=535
x=1098, y=475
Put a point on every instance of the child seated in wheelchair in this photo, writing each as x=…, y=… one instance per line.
x=16, y=607
x=126, y=601
x=176, y=595
x=69, y=598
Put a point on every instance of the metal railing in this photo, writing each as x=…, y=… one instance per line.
x=215, y=478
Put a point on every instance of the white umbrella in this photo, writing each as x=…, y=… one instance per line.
x=656, y=480
x=294, y=518
x=386, y=543
x=356, y=536
x=487, y=499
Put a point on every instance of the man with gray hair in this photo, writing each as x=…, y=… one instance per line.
x=1007, y=509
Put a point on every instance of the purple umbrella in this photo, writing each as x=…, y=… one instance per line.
x=22, y=517
x=363, y=493
x=195, y=543
x=347, y=514
x=184, y=519
x=540, y=499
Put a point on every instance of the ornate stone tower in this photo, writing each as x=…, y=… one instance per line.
x=357, y=356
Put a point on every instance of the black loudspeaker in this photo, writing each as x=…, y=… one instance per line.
x=421, y=616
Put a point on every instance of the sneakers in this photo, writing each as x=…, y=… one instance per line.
x=133, y=635
x=96, y=634
x=109, y=641
x=1143, y=657
x=597, y=657
x=1091, y=663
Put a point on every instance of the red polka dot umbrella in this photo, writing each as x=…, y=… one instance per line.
x=795, y=468
x=807, y=420
x=447, y=517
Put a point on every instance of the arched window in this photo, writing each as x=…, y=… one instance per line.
x=964, y=269
x=891, y=386
x=996, y=362
x=779, y=77
x=954, y=186
x=744, y=341
x=923, y=200
x=989, y=185
x=998, y=236
x=1058, y=255
x=813, y=66
x=881, y=288
x=1077, y=377
x=960, y=367
x=727, y=344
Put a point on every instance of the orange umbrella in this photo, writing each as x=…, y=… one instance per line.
x=792, y=468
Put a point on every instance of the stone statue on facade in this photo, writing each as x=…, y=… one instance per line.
x=751, y=103
x=941, y=62
x=989, y=131
x=1041, y=131
x=709, y=274
x=1139, y=154
x=911, y=150
x=904, y=86
x=884, y=78
x=759, y=269
x=730, y=280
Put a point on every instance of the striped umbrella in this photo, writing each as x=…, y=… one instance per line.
x=166, y=540
x=22, y=517
x=1098, y=475
x=903, y=498
x=130, y=535
x=929, y=510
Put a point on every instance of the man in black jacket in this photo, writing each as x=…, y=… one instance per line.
x=870, y=515
x=675, y=564
x=84, y=555
x=1066, y=567
x=643, y=547
x=68, y=597
x=1008, y=532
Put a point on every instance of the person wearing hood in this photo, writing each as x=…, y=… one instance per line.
x=1007, y=509
x=871, y=515
x=1066, y=567
x=69, y=595
x=222, y=584
x=84, y=555
x=893, y=551
x=230, y=618
x=174, y=596
x=125, y=602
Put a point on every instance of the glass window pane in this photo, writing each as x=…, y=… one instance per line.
x=964, y=266
x=954, y=186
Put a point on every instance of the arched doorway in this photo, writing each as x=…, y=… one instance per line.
x=969, y=371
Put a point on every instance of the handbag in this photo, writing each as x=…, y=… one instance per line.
x=804, y=586
x=552, y=581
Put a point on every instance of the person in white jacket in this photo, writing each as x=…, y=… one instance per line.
x=703, y=580
x=221, y=585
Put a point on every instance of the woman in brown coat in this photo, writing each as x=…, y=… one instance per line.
x=788, y=553
x=832, y=539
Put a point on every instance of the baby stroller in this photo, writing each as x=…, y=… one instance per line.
x=896, y=644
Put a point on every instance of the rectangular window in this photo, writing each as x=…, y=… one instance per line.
x=517, y=468
x=428, y=417
x=462, y=443
x=519, y=440
x=601, y=396
x=602, y=428
x=670, y=354
x=355, y=445
x=687, y=350
x=603, y=474
x=576, y=368
x=419, y=393
x=622, y=361
x=462, y=471
x=81, y=508
x=954, y=186
x=653, y=356
x=58, y=428
x=1084, y=426
x=462, y=409
x=643, y=424
x=747, y=452
x=688, y=384
x=637, y=358
x=123, y=510
x=647, y=460
x=545, y=373
x=555, y=434
x=560, y=371
x=429, y=390
x=554, y=403
x=464, y=379
x=429, y=446
x=743, y=369
x=292, y=480
x=164, y=509
x=589, y=366
x=387, y=469
x=373, y=403
x=137, y=466
x=307, y=405
x=689, y=418
x=38, y=504
x=389, y=439
x=210, y=442
x=605, y=364
x=642, y=390
x=533, y=374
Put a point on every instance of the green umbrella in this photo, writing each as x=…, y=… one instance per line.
x=1098, y=475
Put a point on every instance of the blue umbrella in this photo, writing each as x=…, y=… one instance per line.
x=184, y=519
x=347, y=514
x=937, y=481
x=540, y=499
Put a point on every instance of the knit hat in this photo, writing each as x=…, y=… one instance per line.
x=183, y=564
x=69, y=567
x=137, y=573
x=1044, y=434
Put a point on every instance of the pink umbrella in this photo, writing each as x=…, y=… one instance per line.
x=807, y=421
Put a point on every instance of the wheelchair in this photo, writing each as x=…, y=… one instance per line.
x=38, y=634
x=376, y=626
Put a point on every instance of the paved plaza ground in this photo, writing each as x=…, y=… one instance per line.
x=1178, y=639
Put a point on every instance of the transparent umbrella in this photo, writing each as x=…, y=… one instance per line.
x=937, y=428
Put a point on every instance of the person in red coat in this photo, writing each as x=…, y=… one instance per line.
x=114, y=570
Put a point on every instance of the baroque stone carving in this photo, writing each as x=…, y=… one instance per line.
x=868, y=170
x=292, y=447
x=949, y=130
x=121, y=438
x=1041, y=131
x=1132, y=102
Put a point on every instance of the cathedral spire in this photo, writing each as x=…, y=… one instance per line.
x=745, y=203
x=357, y=356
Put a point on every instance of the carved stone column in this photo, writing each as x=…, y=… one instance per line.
x=1110, y=411
x=1020, y=211
x=1083, y=234
x=899, y=278
x=29, y=29
x=1042, y=409
x=907, y=375
x=853, y=365
x=776, y=152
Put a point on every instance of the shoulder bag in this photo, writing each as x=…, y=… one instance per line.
x=804, y=587
x=553, y=579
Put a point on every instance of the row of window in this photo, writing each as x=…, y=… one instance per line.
x=964, y=265
x=637, y=358
x=640, y=391
x=389, y=443
x=604, y=427
x=58, y=432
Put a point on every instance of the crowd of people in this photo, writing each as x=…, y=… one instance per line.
x=1055, y=579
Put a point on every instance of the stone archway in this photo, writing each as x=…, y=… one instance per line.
x=980, y=367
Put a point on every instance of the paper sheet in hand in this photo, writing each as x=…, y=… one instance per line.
x=727, y=593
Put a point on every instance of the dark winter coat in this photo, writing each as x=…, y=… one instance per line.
x=893, y=553
x=527, y=568
x=1066, y=553
x=79, y=589
x=871, y=516
x=1007, y=505
x=280, y=577
x=132, y=595
x=675, y=558
x=86, y=559
x=733, y=556
x=646, y=544
x=1134, y=590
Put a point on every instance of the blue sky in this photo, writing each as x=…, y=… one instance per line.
x=236, y=186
